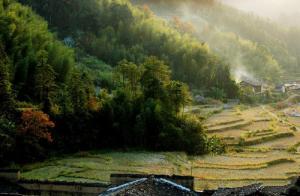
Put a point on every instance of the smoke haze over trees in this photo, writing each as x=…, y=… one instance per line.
x=284, y=11
x=248, y=42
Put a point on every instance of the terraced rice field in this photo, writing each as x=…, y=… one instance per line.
x=263, y=142
x=97, y=166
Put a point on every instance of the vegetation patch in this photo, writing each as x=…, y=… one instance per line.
x=263, y=139
x=224, y=123
x=262, y=119
x=49, y=172
x=252, y=166
x=294, y=148
x=228, y=127
x=258, y=133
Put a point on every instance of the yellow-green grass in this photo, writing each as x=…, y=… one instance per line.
x=294, y=148
x=262, y=125
x=98, y=167
x=205, y=111
x=273, y=172
x=235, y=133
x=206, y=184
x=256, y=133
x=226, y=127
x=266, y=138
x=244, y=165
x=236, y=166
x=262, y=119
x=231, y=167
x=285, y=143
x=224, y=122
x=224, y=116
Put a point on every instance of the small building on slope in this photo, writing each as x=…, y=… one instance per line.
x=255, y=85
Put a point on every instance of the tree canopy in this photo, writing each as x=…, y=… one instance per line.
x=113, y=30
x=249, y=43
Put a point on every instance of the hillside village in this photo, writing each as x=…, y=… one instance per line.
x=259, y=86
x=147, y=97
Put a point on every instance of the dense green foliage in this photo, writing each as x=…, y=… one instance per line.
x=29, y=45
x=6, y=97
x=55, y=101
x=113, y=30
x=143, y=112
x=251, y=44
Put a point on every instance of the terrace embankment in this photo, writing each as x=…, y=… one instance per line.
x=263, y=149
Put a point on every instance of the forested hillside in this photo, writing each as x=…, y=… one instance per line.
x=248, y=42
x=31, y=53
x=117, y=30
x=178, y=87
x=109, y=82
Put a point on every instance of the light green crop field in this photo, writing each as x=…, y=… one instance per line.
x=263, y=149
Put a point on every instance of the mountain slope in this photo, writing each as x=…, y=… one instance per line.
x=117, y=30
x=56, y=108
x=30, y=48
x=248, y=42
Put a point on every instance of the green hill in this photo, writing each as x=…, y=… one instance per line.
x=109, y=75
x=29, y=48
x=249, y=43
x=117, y=30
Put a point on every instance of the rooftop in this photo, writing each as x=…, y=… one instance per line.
x=250, y=81
x=149, y=186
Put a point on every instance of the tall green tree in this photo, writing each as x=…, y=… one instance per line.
x=117, y=30
x=45, y=81
x=155, y=78
x=128, y=75
x=179, y=95
x=6, y=97
x=26, y=40
x=80, y=88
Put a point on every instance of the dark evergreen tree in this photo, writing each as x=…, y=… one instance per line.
x=6, y=97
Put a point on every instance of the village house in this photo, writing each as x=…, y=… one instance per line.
x=290, y=87
x=151, y=185
x=256, y=86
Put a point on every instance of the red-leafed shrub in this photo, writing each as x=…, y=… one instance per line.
x=37, y=124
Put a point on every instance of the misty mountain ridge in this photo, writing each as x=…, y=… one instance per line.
x=285, y=12
x=247, y=41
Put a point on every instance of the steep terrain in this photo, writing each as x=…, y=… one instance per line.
x=254, y=46
x=117, y=30
x=109, y=75
x=264, y=148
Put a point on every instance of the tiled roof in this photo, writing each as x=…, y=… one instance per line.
x=149, y=186
x=252, y=82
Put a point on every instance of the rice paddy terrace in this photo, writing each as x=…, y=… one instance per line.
x=264, y=144
x=263, y=148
